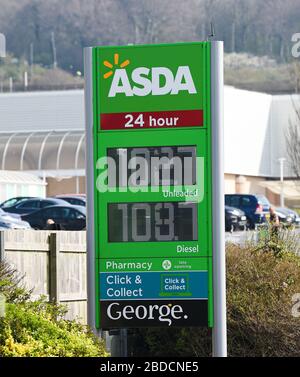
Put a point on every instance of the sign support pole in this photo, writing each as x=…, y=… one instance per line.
x=219, y=267
x=91, y=310
x=91, y=273
x=124, y=342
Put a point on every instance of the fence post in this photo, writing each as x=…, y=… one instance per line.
x=54, y=248
x=2, y=246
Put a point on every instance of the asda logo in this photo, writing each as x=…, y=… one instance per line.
x=142, y=81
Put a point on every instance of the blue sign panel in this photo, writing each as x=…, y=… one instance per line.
x=154, y=285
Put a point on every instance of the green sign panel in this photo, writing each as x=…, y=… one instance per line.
x=152, y=202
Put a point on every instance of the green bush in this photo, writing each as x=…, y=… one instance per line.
x=32, y=329
x=280, y=240
x=38, y=328
x=10, y=284
x=260, y=286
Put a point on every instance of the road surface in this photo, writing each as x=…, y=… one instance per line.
x=240, y=238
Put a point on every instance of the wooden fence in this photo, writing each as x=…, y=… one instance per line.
x=53, y=264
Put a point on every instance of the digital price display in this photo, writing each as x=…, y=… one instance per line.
x=161, y=165
x=152, y=222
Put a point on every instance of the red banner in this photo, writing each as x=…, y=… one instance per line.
x=154, y=120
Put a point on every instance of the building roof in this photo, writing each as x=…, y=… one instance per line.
x=44, y=131
x=42, y=111
x=17, y=177
x=52, y=153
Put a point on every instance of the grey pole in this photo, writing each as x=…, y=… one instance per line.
x=2, y=246
x=219, y=267
x=53, y=44
x=88, y=92
x=124, y=341
x=281, y=161
x=2, y=46
x=91, y=258
x=31, y=60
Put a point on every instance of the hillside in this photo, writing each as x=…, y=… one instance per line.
x=261, y=74
x=64, y=27
x=53, y=33
x=241, y=70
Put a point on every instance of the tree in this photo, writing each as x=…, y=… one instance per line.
x=293, y=142
x=257, y=27
x=292, y=136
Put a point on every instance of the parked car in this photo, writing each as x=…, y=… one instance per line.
x=9, y=215
x=32, y=205
x=235, y=219
x=283, y=218
x=256, y=207
x=11, y=221
x=14, y=201
x=78, y=200
x=14, y=224
x=4, y=225
x=296, y=221
x=65, y=217
x=288, y=216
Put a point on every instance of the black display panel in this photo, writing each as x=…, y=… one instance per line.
x=159, y=166
x=187, y=318
x=152, y=222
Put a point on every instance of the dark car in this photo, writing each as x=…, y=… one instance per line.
x=14, y=201
x=32, y=205
x=283, y=217
x=256, y=207
x=65, y=217
x=287, y=216
x=77, y=200
x=235, y=219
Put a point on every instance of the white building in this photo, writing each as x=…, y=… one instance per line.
x=15, y=183
x=43, y=133
x=255, y=139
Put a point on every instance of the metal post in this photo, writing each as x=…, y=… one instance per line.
x=118, y=341
x=11, y=84
x=53, y=50
x=123, y=340
x=90, y=188
x=54, y=248
x=116, y=347
x=219, y=268
x=31, y=60
x=2, y=46
x=2, y=246
x=25, y=80
x=281, y=161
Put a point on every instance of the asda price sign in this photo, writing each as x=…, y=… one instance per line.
x=150, y=185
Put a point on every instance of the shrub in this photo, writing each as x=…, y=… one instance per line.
x=281, y=240
x=260, y=286
x=10, y=284
x=32, y=329
x=38, y=328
